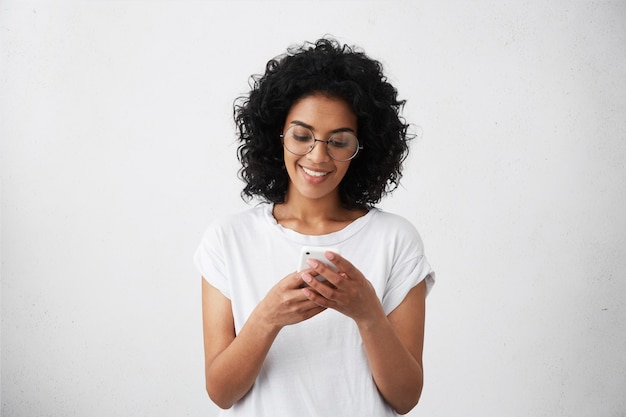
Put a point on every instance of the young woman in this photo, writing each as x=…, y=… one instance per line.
x=321, y=141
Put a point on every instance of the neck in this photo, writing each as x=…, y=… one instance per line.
x=314, y=216
x=299, y=206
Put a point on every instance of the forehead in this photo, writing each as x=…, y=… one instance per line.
x=322, y=112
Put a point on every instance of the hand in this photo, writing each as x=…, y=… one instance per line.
x=350, y=292
x=285, y=304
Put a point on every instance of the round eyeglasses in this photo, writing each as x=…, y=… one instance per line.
x=341, y=146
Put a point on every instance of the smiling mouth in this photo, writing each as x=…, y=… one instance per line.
x=314, y=173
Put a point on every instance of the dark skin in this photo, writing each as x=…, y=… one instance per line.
x=393, y=343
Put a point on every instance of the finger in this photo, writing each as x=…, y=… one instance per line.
x=301, y=309
x=323, y=288
x=294, y=280
x=326, y=271
x=315, y=297
x=340, y=262
x=314, y=311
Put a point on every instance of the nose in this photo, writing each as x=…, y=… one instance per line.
x=319, y=153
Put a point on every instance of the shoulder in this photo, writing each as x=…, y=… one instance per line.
x=239, y=219
x=391, y=219
x=237, y=223
x=392, y=222
x=395, y=228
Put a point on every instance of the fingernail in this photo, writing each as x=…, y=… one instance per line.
x=307, y=277
x=330, y=256
x=312, y=263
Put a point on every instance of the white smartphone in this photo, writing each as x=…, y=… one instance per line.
x=317, y=253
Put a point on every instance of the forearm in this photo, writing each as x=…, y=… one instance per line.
x=397, y=374
x=232, y=373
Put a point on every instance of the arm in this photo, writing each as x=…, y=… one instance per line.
x=232, y=362
x=394, y=349
x=393, y=343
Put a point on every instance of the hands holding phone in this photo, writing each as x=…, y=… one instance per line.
x=342, y=287
x=325, y=280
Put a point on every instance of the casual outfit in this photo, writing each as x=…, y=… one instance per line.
x=317, y=367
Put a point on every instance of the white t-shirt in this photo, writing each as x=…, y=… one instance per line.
x=317, y=367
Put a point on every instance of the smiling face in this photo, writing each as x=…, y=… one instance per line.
x=316, y=175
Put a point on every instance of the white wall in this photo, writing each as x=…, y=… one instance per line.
x=118, y=149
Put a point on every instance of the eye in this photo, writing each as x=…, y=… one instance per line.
x=302, y=138
x=342, y=140
x=301, y=134
x=339, y=143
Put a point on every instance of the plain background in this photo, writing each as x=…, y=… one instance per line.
x=118, y=149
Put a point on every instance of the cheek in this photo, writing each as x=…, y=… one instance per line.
x=290, y=158
x=289, y=163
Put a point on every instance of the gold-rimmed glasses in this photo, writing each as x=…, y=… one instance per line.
x=341, y=146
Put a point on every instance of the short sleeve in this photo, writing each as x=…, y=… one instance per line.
x=410, y=268
x=209, y=260
x=407, y=277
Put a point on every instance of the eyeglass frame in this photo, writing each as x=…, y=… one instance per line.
x=327, y=142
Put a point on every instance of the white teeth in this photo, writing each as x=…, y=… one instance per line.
x=314, y=173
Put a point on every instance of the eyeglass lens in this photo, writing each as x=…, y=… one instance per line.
x=341, y=146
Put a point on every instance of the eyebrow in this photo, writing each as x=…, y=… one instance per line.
x=308, y=126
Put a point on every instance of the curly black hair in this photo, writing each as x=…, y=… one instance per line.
x=328, y=68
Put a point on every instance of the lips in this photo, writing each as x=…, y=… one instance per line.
x=315, y=174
